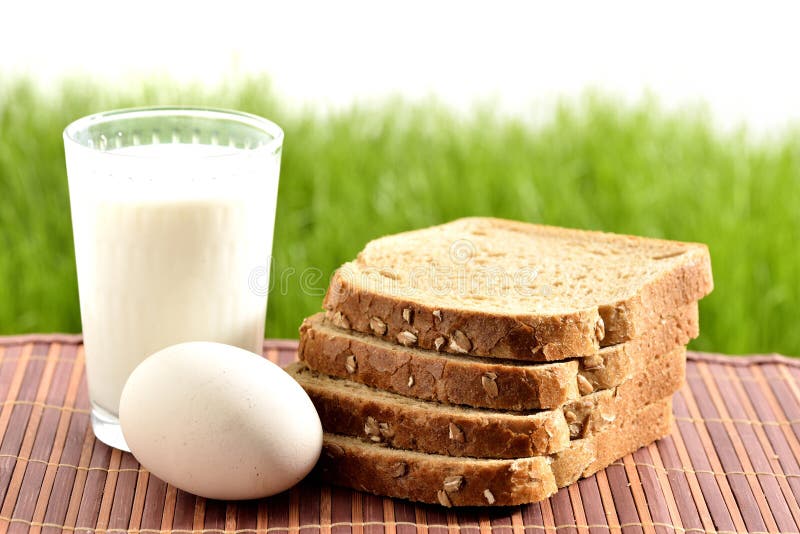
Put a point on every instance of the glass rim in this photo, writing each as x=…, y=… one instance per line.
x=249, y=119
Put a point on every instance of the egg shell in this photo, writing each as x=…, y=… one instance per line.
x=219, y=421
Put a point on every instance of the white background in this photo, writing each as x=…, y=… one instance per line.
x=742, y=59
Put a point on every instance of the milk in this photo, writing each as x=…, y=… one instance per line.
x=174, y=248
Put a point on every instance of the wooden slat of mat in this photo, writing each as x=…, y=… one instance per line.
x=611, y=517
x=183, y=517
x=420, y=519
x=517, y=524
x=8, y=367
x=139, y=495
x=246, y=515
x=278, y=511
x=309, y=507
x=121, y=508
x=388, y=515
x=372, y=514
x=532, y=518
x=578, y=511
x=499, y=523
x=214, y=515
x=155, y=504
x=325, y=509
x=294, y=510
x=199, y=514
x=107, y=490
x=436, y=519
x=88, y=511
x=563, y=513
x=341, y=510
x=356, y=514
x=548, y=518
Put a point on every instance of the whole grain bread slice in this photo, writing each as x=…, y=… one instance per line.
x=505, y=289
x=451, y=481
x=352, y=409
x=482, y=382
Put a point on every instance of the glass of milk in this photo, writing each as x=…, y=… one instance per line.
x=172, y=213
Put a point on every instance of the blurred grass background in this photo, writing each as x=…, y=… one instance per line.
x=379, y=168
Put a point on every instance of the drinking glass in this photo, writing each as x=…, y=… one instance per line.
x=173, y=212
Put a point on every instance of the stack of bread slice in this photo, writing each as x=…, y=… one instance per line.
x=490, y=362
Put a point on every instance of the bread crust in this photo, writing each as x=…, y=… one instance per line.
x=531, y=337
x=451, y=481
x=481, y=382
x=434, y=479
x=382, y=417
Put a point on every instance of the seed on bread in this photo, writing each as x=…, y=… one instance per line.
x=575, y=430
x=488, y=381
x=389, y=273
x=350, y=364
x=371, y=427
x=455, y=433
x=489, y=496
x=438, y=343
x=407, y=315
x=338, y=319
x=377, y=326
x=593, y=363
x=584, y=386
x=410, y=380
x=407, y=338
x=459, y=342
x=453, y=483
x=399, y=469
x=333, y=449
x=444, y=500
x=600, y=329
x=668, y=255
x=437, y=314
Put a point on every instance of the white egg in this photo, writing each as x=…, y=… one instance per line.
x=219, y=421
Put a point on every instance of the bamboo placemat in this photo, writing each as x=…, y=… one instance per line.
x=730, y=465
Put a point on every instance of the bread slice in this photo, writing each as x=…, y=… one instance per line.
x=452, y=481
x=504, y=289
x=481, y=382
x=352, y=409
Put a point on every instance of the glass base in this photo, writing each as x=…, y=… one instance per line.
x=106, y=428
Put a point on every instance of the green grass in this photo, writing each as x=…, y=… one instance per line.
x=372, y=170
